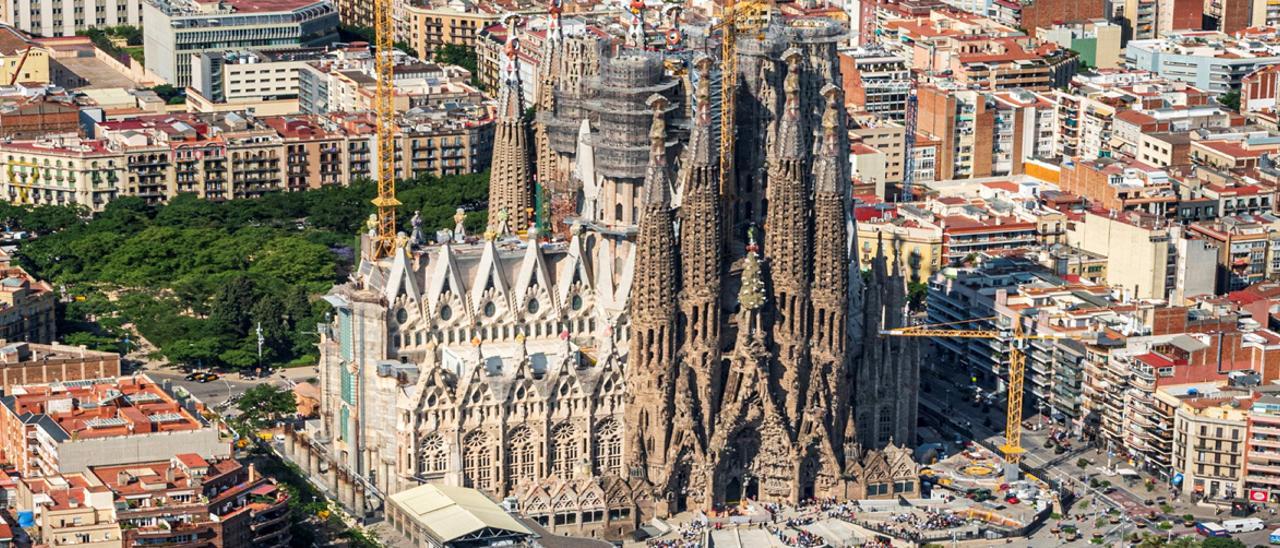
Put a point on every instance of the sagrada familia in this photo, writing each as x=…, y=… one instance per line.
x=657, y=340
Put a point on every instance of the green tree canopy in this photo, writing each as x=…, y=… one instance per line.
x=266, y=403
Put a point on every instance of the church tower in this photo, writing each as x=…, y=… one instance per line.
x=511, y=173
x=788, y=250
x=829, y=326
x=652, y=359
x=701, y=245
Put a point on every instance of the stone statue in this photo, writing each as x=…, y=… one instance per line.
x=416, y=237
x=459, y=225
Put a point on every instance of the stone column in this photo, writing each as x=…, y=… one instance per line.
x=345, y=491
x=333, y=478
x=291, y=445
x=360, y=502
x=313, y=460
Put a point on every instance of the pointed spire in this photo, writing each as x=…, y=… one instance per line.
x=554, y=31
x=635, y=32
x=511, y=173
x=510, y=98
x=703, y=152
x=657, y=186
x=827, y=173
x=790, y=133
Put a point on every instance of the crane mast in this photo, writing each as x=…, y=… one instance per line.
x=728, y=95
x=384, y=112
x=1017, y=338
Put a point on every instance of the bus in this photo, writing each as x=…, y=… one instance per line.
x=1211, y=529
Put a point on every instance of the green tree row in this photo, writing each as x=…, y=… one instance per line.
x=197, y=278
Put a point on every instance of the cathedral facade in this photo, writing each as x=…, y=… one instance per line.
x=647, y=352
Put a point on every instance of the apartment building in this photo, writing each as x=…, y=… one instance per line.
x=26, y=306
x=963, y=124
x=1096, y=40
x=1262, y=449
x=876, y=82
x=191, y=500
x=920, y=243
x=1116, y=184
x=1248, y=248
x=1211, y=61
x=341, y=80
x=68, y=426
x=885, y=136
x=1144, y=257
x=23, y=363
x=69, y=509
x=248, y=76
x=176, y=30
x=977, y=52
x=434, y=24
x=1210, y=434
x=225, y=156
x=62, y=172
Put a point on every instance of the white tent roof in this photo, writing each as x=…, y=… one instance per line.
x=450, y=512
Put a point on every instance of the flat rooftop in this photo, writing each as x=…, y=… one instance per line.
x=100, y=408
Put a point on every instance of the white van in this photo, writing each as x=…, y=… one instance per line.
x=1243, y=525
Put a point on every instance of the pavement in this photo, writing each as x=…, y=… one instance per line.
x=964, y=418
x=229, y=385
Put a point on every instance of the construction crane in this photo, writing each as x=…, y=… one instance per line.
x=749, y=16
x=909, y=165
x=1017, y=338
x=384, y=112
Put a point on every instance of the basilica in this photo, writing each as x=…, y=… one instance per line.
x=657, y=336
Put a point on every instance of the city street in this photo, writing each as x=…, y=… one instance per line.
x=230, y=384
x=951, y=398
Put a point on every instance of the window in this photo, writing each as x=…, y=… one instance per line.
x=564, y=450
x=520, y=456
x=476, y=461
x=608, y=447
x=434, y=455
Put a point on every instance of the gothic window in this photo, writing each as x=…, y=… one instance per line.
x=446, y=312
x=532, y=307
x=477, y=468
x=564, y=450
x=608, y=448
x=886, y=426
x=520, y=456
x=434, y=456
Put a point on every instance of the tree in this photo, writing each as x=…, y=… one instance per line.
x=916, y=294
x=1230, y=99
x=266, y=403
x=465, y=57
x=1219, y=542
x=232, y=304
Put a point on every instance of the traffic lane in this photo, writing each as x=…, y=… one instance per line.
x=211, y=393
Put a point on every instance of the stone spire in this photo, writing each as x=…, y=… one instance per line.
x=701, y=241
x=635, y=27
x=787, y=245
x=651, y=363
x=548, y=73
x=831, y=266
x=511, y=174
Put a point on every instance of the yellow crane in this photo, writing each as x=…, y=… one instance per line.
x=748, y=16
x=385, y=118
x=1017, y=338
